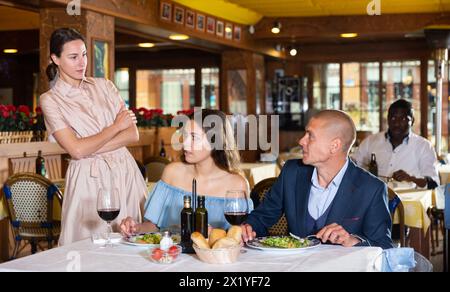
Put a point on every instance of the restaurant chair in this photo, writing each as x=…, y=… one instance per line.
x=155, y=167
x=30, y=199
x=142, y=168
x=436, y=215
x=258, y=194
x=395, y=204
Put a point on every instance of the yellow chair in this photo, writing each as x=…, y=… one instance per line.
x=155, y=167
x=258, y=194
x=29, y=199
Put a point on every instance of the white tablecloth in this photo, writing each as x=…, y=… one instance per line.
x=85, y=256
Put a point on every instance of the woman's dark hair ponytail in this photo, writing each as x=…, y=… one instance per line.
x=59, y=38
x=51, y=71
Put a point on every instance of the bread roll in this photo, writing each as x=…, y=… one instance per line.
x=199, y=240
x=235, y=232
x=215, y=235
x=225, y=242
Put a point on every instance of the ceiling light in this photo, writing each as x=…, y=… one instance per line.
x=228, y=29
x=279, y=47
x=293, y=52
x=276, y=28
x=146, y=45
x=349, y=35
x=251, y=29
x=178, y=37
x=10, y=51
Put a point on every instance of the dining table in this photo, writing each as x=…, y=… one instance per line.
x=86, y=256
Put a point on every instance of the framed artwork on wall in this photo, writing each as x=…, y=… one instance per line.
x=210, y=25
x=100, y=58
x=200, y=22
x=166, y=11
x=178, y=15
x=190, y=18
x=219, y=28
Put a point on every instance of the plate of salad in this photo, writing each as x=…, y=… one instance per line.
x=149, y=239
x=283, y=243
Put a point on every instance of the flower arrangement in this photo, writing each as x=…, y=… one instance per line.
x=14, y=118
x=152, y=118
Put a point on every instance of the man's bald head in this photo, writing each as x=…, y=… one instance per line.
x=339, y=125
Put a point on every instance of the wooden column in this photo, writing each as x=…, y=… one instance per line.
x=92, y=25
x=242, y=60
x=251, y=63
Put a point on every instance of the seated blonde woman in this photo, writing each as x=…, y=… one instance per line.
x=216, y=172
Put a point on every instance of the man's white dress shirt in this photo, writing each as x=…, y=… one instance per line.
x=415, y=156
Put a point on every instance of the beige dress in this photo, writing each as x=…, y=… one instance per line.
x=87, y=110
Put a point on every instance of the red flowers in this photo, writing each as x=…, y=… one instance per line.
x=16, y=118
x=152, y=117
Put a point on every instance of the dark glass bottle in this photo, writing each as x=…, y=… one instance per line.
x=40, y=164
x=162, y=152
x=187, y=226
x=373, y=166
x=201, y=217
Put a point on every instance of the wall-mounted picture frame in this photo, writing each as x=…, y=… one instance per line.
x=237, y=33
x=190, y=19
x=229, y=31
x=210, y=25
x=100, y=58
x=219, y=28
x=200, y=22
x=165, y=11
x=178, y=15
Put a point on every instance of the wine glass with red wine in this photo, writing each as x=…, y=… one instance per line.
x=108, y=208
x=236, y=207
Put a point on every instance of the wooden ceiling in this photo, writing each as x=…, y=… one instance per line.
x=17, y=19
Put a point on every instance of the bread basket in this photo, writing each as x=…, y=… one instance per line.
x=219, y=255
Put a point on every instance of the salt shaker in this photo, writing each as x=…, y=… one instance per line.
x=166, y=242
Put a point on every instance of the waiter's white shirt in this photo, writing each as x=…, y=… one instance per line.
x=415, y=156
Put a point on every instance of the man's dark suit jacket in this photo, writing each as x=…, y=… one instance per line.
x=360, y=205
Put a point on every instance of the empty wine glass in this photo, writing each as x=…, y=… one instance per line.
x=108, y=208
x=236, y=207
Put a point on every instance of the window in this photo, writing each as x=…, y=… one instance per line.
x=171, y=90
x=360, y=94
x=326, y=89
x=210, y=88
x=121, y=79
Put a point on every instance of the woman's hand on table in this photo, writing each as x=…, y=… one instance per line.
x=129, y=227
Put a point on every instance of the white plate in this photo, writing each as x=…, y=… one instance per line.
x=257, y=244
x=132, y=240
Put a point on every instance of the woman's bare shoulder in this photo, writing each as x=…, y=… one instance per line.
x=174, y=171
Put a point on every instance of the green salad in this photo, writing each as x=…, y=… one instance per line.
x=154, y=238
x=285, y=242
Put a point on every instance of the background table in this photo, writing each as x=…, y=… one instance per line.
x=256, y=172
x=416, y=204
x=131, y=258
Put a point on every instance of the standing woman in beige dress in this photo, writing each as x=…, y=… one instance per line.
x=88, y=118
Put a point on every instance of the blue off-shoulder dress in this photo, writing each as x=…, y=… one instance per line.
x=165, y=202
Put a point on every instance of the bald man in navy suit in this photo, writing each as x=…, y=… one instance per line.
x=326, y=194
